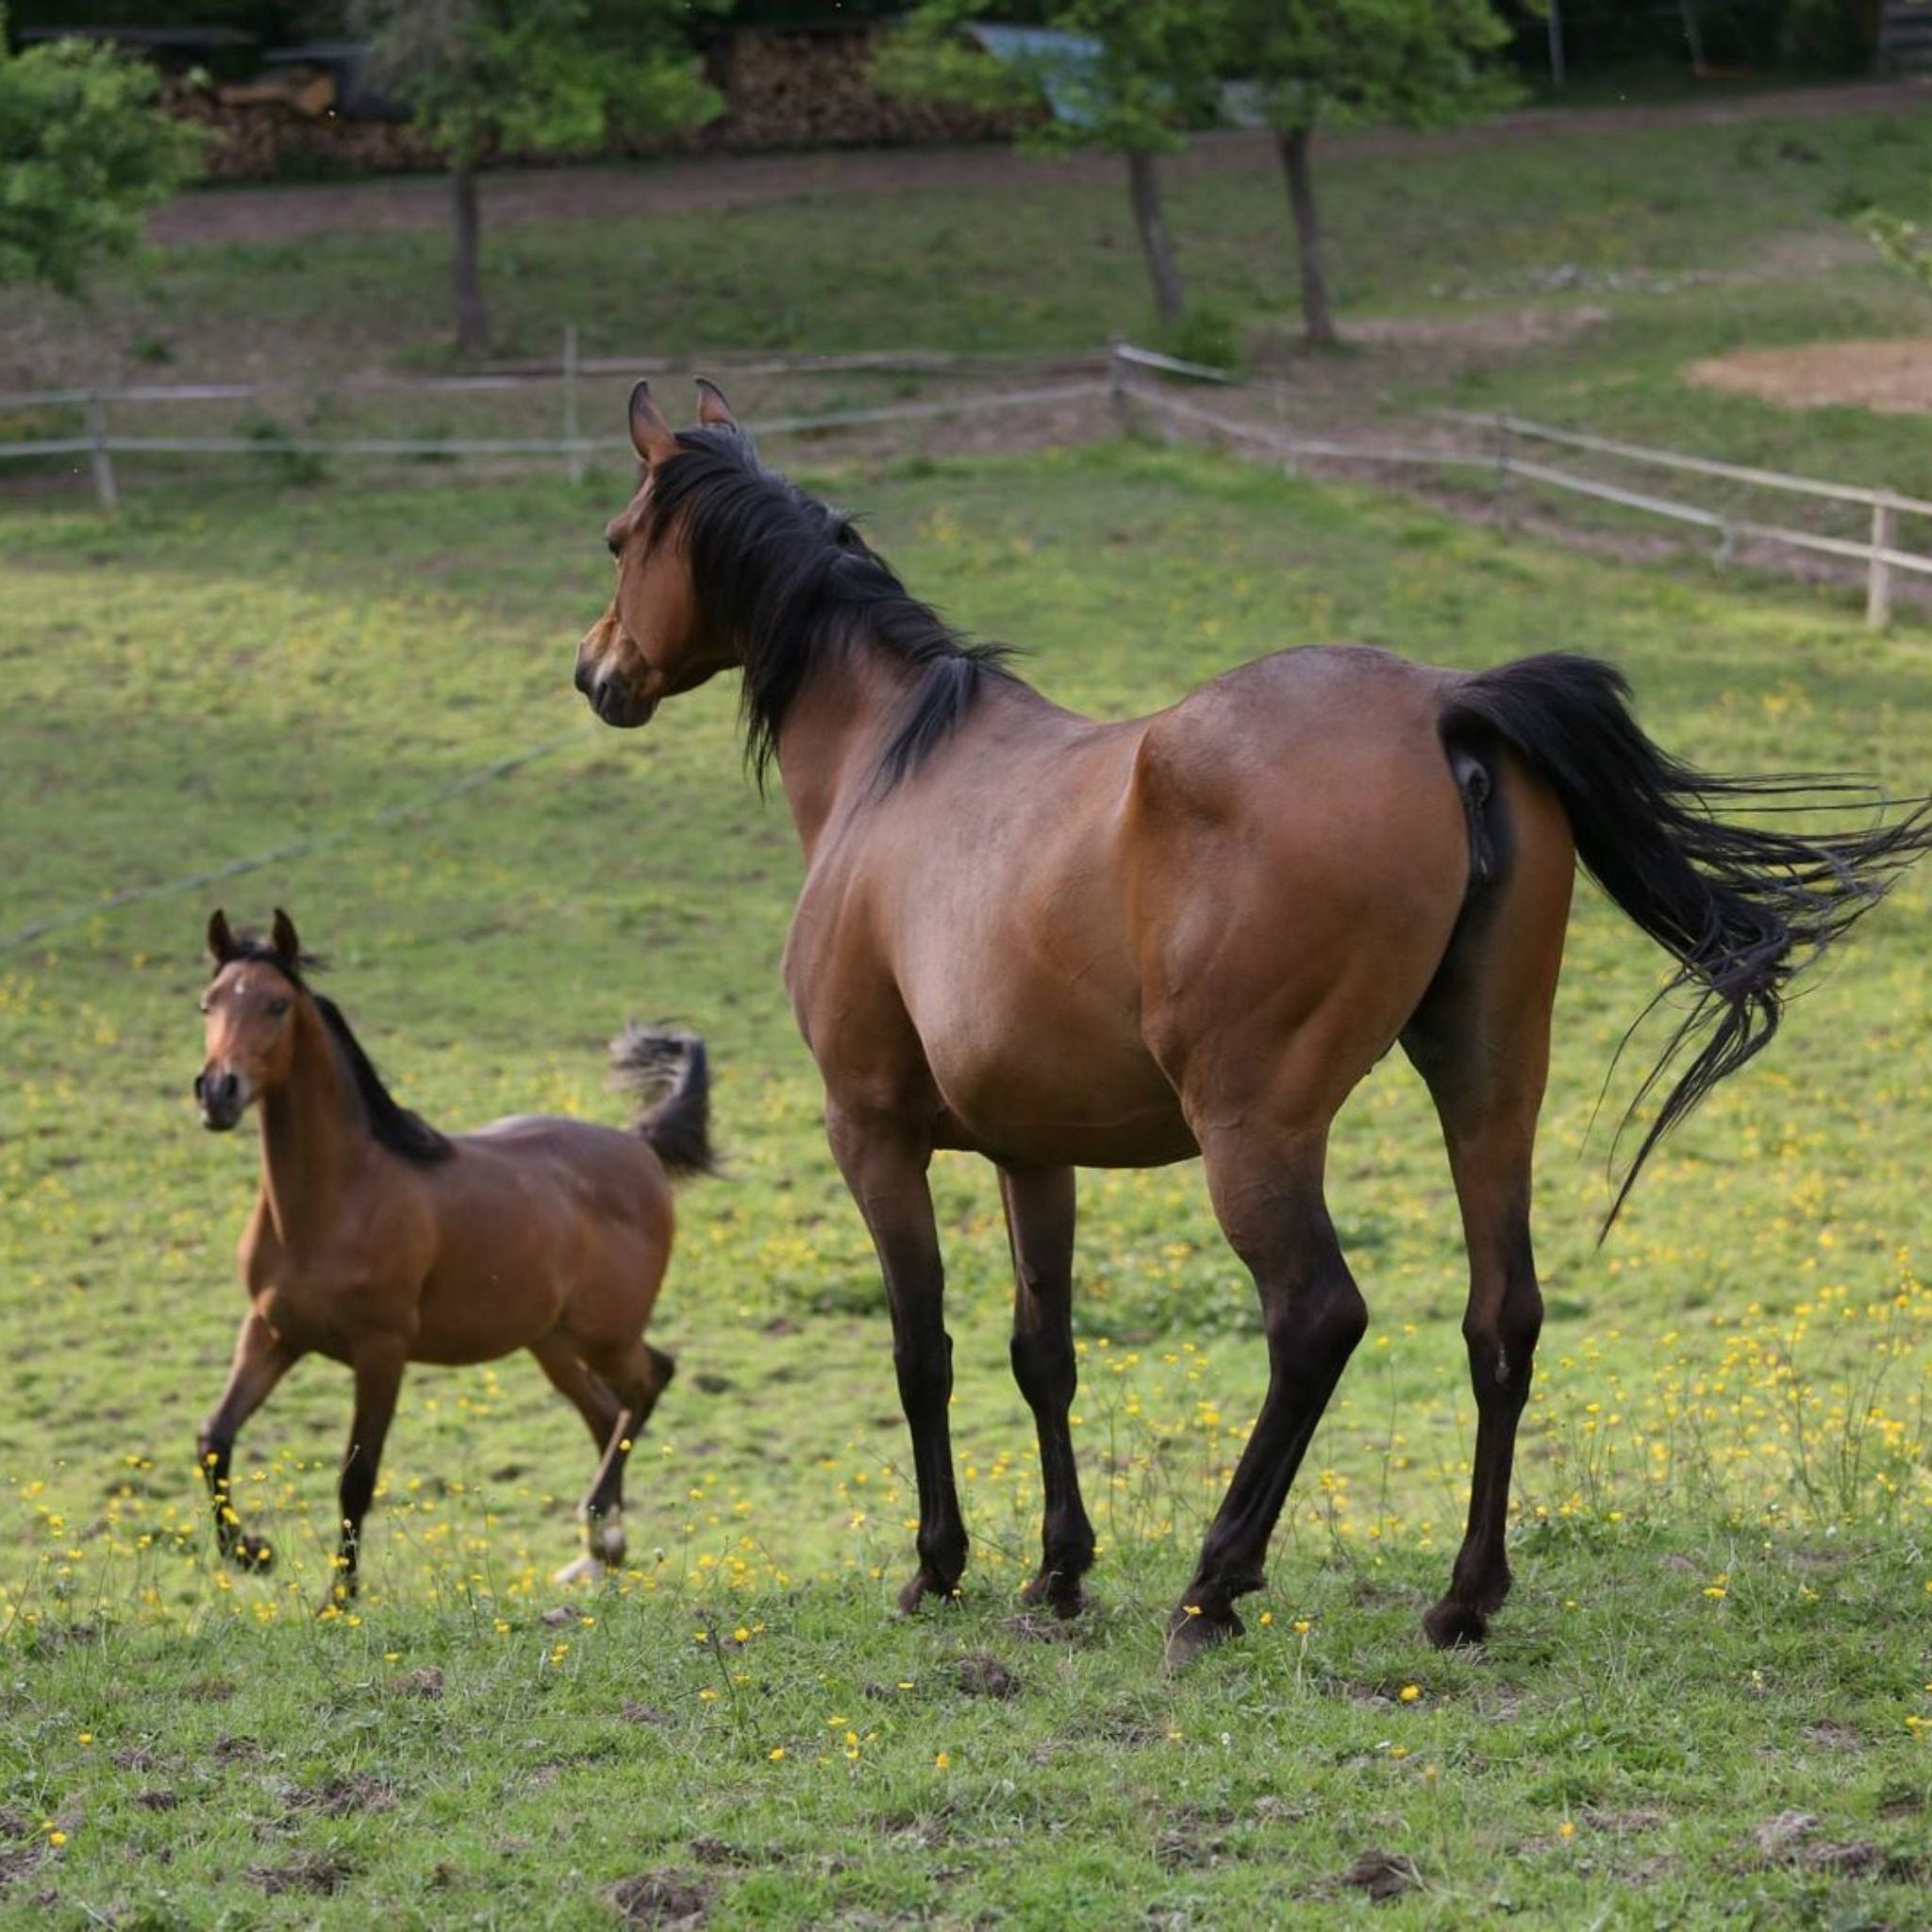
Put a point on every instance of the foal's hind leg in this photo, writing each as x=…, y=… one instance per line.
x=1481, y=1040
x=1039, y=1221
x=638, y=1375
x=603, y=1414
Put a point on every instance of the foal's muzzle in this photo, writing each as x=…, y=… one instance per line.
x=221, y=1100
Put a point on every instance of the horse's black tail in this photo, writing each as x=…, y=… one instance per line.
x=1741, y=909
x=664, y=1068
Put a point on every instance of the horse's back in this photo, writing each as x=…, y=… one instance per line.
x=1300, y=858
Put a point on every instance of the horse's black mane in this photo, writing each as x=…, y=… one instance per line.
x=790, y=580
x=393, y=1125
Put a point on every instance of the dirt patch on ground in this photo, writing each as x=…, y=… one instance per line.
x=1893, y=376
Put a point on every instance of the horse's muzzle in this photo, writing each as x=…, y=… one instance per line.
x=614, y=701
x=219, y=1098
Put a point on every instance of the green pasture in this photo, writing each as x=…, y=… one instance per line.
x=1725, y=1537
x=1570, y=272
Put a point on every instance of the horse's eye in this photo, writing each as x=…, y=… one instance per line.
x=278, y=1007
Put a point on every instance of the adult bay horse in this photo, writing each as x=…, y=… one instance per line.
x=1060, y=942
x=378, y=1242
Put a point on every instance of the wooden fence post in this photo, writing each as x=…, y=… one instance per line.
x=1117, y=389
x=1878, y=583
x=102, y=461
x=573, y=452
x=1504, y=482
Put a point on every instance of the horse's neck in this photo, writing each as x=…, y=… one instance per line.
x=311, y=1135
x=834, y=731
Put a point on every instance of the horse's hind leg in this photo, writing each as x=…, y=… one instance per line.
x=637, y=1374
x=1481, y=1040
x=1266, y=1184
x=1039, y=1223
x=611, y=1429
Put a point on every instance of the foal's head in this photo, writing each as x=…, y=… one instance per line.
x=652, y=642
x=251, y=1004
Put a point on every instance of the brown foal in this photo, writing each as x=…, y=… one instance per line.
x=377, y=1241
x=1058, y=942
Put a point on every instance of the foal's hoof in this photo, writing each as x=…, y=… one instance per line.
x=925, y=1587
x=1057, y=1592
x=1190, y=1630
x=1451, y=1625
x=252, y=1552
x=586, y=1569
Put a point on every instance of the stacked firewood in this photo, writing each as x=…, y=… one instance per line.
x=270, y=129
x=781, y=90
x=815, y=90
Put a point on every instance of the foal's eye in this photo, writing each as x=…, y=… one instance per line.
x=278, y=1007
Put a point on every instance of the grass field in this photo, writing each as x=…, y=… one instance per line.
x=1568, y=272
x=1725, y=1542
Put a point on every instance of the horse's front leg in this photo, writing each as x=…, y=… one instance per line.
x=261, y=1360
x=885, y=1168
x=1039, y=1223
x=379, y=1366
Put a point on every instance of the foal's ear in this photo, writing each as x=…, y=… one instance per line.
x=714, y=412
x=220, y=942
x=651, y=435
x=281, y=936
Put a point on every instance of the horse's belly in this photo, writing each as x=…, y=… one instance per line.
x=1057, y=1096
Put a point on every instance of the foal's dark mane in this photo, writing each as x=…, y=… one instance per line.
x=790, y=580
x=393, y=1125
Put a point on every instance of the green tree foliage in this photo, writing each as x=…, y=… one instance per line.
x=1904, y=244
x=1332, y=63
x=83, y=154
x=548, y=76
x=1145, y=81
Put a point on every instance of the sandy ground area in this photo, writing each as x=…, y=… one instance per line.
x=1894, y=376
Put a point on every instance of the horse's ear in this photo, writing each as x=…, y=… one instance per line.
x=281, y=936
x=714, y=412
x=651, y=435
x=220, y=942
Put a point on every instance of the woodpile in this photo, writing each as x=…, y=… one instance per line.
x=263, y=132
x=782, y=89
x=813, y=89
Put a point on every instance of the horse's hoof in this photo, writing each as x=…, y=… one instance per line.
x=585, y=1569
x=1190, y=1630
x=1451, y=1625
x=923, y=1587
x=1055, y=1590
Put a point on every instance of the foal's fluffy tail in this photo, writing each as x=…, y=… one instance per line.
x=1741, y=908
x=664, y=1068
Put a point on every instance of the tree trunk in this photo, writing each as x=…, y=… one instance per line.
x=1316, y=322
x=473, y=324
x=1143, y=184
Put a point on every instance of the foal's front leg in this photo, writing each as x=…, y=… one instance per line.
x=885, y=1168
x=261, y=1360
x=379, y=1366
